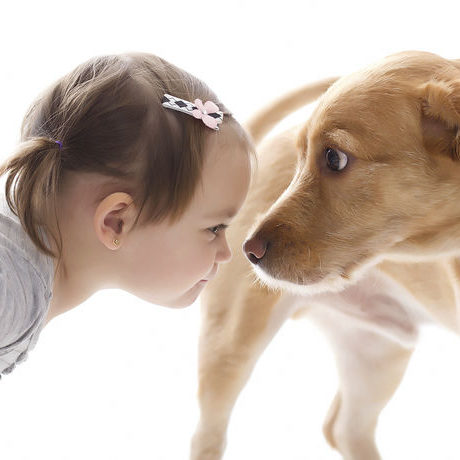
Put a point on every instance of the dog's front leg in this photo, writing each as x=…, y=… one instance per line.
x=370, y=368
x=232, y=339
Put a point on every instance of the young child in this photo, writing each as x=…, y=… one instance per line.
x=124, y=178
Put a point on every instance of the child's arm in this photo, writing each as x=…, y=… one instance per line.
x=21, y=305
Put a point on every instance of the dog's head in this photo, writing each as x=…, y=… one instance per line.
x=378, y=176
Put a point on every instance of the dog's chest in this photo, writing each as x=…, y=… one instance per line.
x=377, y=303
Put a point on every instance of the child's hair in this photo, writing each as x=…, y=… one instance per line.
x=107, y=114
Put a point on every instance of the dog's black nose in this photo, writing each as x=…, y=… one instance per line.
x=255, y=249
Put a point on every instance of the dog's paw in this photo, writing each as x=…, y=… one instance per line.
x=207, y=445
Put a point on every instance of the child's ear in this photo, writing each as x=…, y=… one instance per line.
x=114, y=217
x=441, y=117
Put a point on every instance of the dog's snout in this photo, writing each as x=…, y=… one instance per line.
x=255, y=248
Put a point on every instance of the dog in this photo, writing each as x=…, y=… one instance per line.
x=353, y=220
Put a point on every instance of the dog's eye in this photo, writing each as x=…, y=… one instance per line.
x=336, y=160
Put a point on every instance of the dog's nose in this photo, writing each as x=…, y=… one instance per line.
x=255, y=249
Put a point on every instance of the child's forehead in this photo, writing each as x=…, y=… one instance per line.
x=225, y=180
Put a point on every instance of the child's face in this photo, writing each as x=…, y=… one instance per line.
x=165, y=264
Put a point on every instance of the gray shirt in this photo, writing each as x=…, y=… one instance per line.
x=26, y=281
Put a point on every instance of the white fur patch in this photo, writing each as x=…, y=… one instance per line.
x=375, y=302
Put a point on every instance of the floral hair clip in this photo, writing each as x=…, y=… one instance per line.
x=208, y=112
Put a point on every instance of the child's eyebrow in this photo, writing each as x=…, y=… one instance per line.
x=229, y=213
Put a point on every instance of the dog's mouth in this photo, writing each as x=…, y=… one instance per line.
x=302, y=285
x=316, y=275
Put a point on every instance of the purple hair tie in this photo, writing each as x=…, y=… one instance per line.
x=60, y=144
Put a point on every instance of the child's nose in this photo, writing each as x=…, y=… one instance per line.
x=225, y=253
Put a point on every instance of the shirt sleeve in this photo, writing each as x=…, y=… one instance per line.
x=17, y=297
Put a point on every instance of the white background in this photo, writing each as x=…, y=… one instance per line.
x=116, y=377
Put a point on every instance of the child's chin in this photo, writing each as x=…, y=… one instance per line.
x=186, y=299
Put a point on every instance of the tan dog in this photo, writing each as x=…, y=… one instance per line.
x=353, y=219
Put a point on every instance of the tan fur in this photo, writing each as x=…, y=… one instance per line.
x=369, y=253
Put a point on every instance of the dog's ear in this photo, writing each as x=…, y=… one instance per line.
x=441, y=117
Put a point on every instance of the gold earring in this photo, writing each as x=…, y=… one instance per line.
x=116, y=242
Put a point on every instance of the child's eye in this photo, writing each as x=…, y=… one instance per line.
x=217, y=228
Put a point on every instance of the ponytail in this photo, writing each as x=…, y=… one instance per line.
x=33, y=173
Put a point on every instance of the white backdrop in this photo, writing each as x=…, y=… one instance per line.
x=85, y=393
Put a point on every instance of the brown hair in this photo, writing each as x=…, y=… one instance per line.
x=107, y=114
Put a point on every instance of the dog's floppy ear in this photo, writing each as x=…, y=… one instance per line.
x=441, y=117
